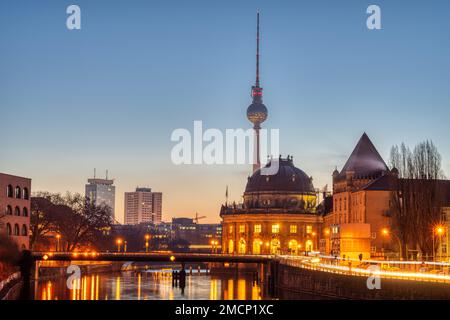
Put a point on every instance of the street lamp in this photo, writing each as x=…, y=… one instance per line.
x=119, y=243
x=439, y=231
x=147, y=237
x=58, y=237
x=386, y=232
x=315, y=241
x=213, y=246
x=125, y=246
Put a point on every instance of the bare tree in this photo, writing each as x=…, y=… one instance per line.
x=416, y=201
x=42, y=218
x=78, y=220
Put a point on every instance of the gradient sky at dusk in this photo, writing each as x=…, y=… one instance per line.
x=109, y=95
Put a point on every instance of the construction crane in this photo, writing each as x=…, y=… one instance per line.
x=198, y=218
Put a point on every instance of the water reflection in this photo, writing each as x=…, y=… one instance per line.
x=150, y=285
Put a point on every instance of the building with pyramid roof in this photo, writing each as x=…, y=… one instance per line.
x=360, y=210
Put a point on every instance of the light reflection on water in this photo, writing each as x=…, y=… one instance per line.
x=150, y=285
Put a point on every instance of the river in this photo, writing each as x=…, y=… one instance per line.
x=150, y=285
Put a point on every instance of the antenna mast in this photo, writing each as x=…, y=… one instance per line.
x=257, y=49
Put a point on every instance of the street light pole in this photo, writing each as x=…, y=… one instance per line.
x=386, y=232
x=147, y=237
x=58, y=236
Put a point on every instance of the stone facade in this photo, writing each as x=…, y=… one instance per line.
x=272, y=232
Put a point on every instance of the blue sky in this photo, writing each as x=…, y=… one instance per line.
x=109, y=95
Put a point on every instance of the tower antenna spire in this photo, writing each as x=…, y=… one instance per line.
x=257, y=49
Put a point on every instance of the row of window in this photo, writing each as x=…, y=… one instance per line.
x=16, y=231
x=341, y=203
x=9, y=211
x=257, y=228
x=17, y=192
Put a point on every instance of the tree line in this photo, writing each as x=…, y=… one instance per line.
x=417, y=197
x=75, y=218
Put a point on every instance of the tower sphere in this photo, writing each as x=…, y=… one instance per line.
x=257, y=113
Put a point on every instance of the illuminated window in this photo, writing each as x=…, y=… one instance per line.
x=309, y=229
x=275, y=228
x=230, y=229
x=293, y=228
x=241, y=228
x=257, y=228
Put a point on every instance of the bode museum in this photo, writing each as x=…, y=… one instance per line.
x=278, y=215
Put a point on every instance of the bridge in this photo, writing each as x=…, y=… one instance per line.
x=149, y=257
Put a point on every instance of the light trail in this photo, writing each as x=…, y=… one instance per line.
x=308, y=263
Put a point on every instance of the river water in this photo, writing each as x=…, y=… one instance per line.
x=150, y=285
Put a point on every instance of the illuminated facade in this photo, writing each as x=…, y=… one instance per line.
x=278, y=215
x=361, y=205
x=15, y=209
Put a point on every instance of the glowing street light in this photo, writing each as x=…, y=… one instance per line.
x=119, y=243
x=439, y=231
x=386, y=233
x=147, y=237
x=214, y=244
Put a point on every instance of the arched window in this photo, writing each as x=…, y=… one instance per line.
x=24, y=230
x=26, y=194
x=242, y=247
x=17, y=211
x=9, y=210
x=9, y=191
x=18, y=193
x=231, y=246
x=25, y=212
x=16, y=230
x=8, y=229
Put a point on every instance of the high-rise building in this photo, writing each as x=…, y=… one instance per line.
x=15, y=201
x=143, y=205
x=102, y=192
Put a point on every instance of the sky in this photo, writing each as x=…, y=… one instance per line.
x=110, y=95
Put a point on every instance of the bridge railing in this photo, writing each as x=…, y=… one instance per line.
x=405, y=270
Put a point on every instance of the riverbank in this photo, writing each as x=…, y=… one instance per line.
x=10, y=287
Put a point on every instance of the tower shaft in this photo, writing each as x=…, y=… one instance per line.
x=256, y=157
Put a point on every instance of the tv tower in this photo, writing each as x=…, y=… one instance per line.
x=257, y=111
